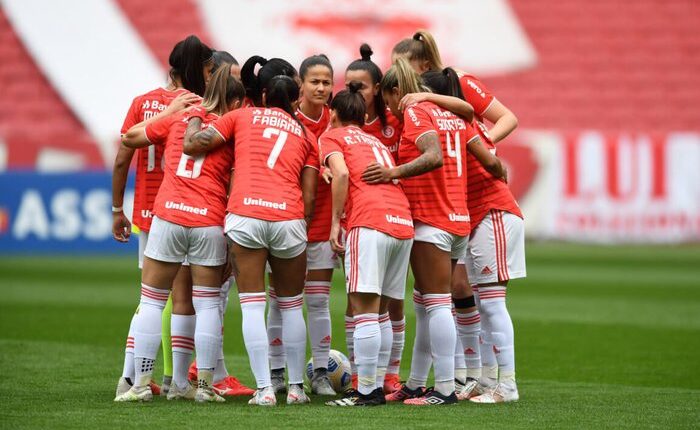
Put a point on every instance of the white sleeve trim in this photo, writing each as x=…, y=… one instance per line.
x=423, y=134
x=325, y=159
x=487, y=107
x=146, y=135
x=217, y=132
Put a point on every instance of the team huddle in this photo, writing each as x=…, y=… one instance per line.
x=259, y=177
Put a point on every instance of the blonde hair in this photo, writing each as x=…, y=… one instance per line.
x=421, y=47
x=221, y=90
x=402, y=76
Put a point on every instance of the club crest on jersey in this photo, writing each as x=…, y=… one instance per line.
x=388, y=131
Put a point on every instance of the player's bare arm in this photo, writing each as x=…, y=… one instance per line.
x=491, y=163
x=503, y=119
x=309, y=181
x=430, y=159
x=198, y=141
x=136, y=137
x=339, y=192
x=452, y=104
x=121, y=227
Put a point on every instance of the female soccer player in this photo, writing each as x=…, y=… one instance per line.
x=380, y=232
x=432, y=161
x=188, y=223
x=382, y=124
x=316, y=75
x=496, y=249
x=271, y=202
x=190, y=67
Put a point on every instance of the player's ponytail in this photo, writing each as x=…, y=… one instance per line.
x=349, y=105
x=187, y=60
x=281, y=92
x=402, y=76
x=250, y=79
x=222, y=90
x=420, y=47
x=365, y=63
x=445, y=82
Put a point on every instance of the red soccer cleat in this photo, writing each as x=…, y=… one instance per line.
x=155, y=388
x=353, y=381
x=192, y=372
x=391, y=383
x=231, y=387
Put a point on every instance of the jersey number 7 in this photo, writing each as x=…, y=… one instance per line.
x=268, y=133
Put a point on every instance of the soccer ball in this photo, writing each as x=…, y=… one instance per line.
x=339, y=371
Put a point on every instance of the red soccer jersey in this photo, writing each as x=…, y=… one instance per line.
x=389, y=135
x=382, y=207
x=485, y=191
x=193, y=192
x=320, y=227
x=439, y=197
x=271, y=150
x=149, y=160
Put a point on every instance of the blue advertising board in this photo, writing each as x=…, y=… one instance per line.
x=42, y=213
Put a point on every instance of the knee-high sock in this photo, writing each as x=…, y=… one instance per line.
x=147, y=329
x=398, y=339
x=421, y=360
x=489, y=365
x=350, y=342
x=165, y=340
x=367, y=340
x=442, y=340
x=255, y=336
x=317, y=296
x=468, y=330
x=386, y=338
x=293, y=336
x=207, y=334
x=182, y=331
x=493, y=308
x=274, y=333
x=460, y=364
x=128, y=369
x=220, y=371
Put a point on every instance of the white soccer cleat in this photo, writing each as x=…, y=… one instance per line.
x=321, y=385
x=136, y=394
x=264, y=397
x=122, y=386
x=207, y=395
x=176, y=393
x=296, y=395
x=468, y=390
x=503, y=393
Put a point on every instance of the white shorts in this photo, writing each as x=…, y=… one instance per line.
x=376, y=263
x=283, y=239
x=174, y=243
x=448, y=242
x=320, y=256
x=496, y=250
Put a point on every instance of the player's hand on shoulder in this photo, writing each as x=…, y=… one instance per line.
x=411, y=99
x=183, y=101
x=376, y=173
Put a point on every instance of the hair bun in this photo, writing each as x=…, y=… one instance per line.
x=354, y=87
x=417, y=36
x=366, y=52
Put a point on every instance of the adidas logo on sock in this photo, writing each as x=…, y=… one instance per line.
x=276, y=342
x=326, y=340
x=469, y=351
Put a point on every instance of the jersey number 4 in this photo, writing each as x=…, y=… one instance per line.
x=455, y=151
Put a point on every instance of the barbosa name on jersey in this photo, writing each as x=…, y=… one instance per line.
x=186, y=208
x=249, y=201
x=277, y=119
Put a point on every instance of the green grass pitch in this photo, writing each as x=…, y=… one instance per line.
x=606, y=337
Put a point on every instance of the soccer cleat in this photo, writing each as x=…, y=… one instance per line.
x=134, y=394
x=264, y=397
x=404, y=393
x=207, y=395
x=320, y=384
x=231, y=386
x=165, y=387
x=186, y=393
x=467, y=390
x=432, y=398
x=296, y=395
x=192, y=372
x=353, y=380
x=391, y=383
x=503, y=393
x=354, y=398
x=277, y=378
x=125, y=385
